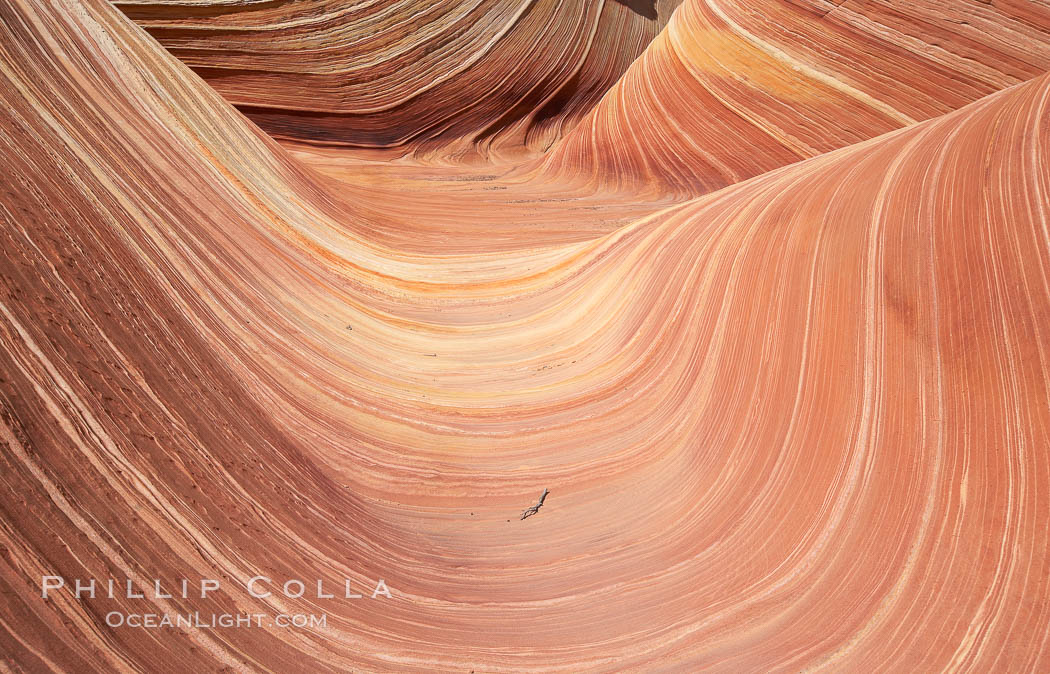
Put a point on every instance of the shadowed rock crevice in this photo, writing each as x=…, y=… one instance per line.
x=646, y=8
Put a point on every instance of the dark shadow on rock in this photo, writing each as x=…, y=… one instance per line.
x=646, y=8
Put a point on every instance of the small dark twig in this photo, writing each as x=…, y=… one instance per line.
x=536, y=508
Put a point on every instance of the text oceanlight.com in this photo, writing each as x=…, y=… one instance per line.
x=198, y=620
x=258, y=587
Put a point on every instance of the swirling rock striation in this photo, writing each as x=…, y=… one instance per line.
x=801, y=422
x=734, y=88
x=461, y=78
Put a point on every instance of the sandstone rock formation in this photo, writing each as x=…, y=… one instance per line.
x=456, y=76
x=800, y=422
x=735, y=88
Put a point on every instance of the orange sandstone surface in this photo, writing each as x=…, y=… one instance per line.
x=769, y=318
